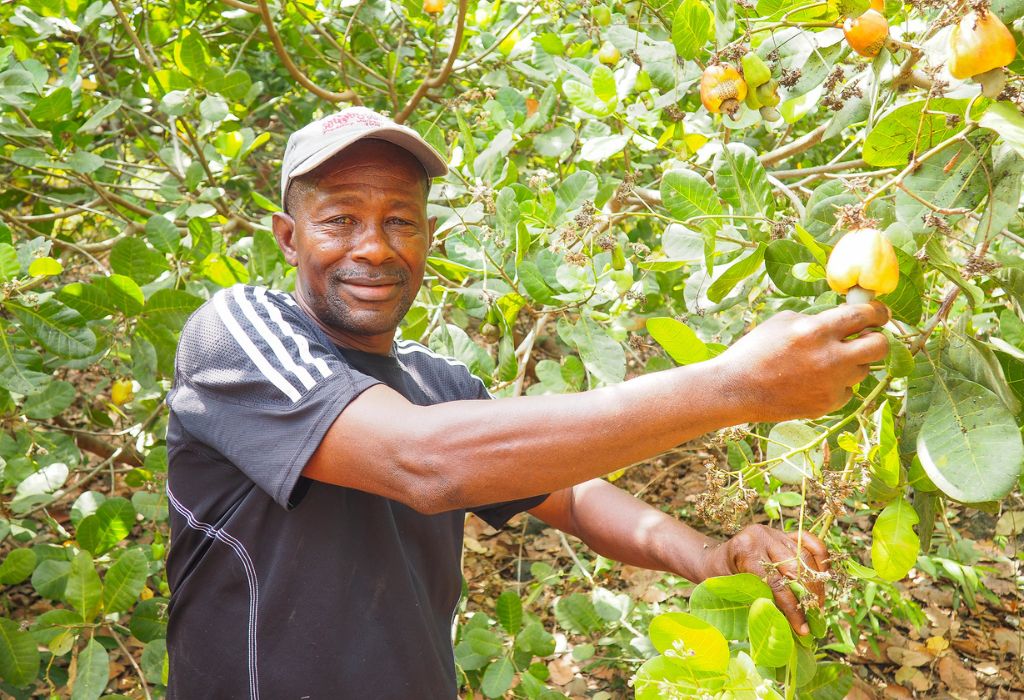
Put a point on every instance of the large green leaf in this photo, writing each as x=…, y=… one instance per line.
x=19, y=658
x=743, y=588
x=771, y=641
x=691, y=28
x=51, y=401
x=498, y=678
x=728, y=616
x=18, y=565
x=133, y=258
x=124, y=581
x=84, y=590
x=780, y=257
x=690, y=641
x=954, y=178
x=687, y=195
x=736, y=273
x=894, y=544
x=149, y=620
x=509, y=611
x=110, y=524
x=740, y=180
x=970, y=444
x=832, y=681
x=912, y=128
x=678, y=340
x=783, y=439
x=20, y=367
x=93, y=672
x=602, y=355
x=59, y=328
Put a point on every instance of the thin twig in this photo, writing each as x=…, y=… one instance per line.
x=446, y=70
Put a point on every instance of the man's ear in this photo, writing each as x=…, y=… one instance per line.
x=284, y=231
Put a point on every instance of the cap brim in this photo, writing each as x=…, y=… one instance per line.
x=432, y=161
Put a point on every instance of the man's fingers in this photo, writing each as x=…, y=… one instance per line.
x=851, y=319
x=867, y=348
x=784, y=597
x=813, y=545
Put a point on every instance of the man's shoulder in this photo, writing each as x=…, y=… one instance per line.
x=439, y=367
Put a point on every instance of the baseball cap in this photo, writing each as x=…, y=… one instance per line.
x=315, y=143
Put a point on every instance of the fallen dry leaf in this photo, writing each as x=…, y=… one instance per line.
x=955, y=675
x=937, y=644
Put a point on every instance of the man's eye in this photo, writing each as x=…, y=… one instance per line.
x=341, y=220
x=400, y=222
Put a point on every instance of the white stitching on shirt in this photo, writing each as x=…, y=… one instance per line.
x=250, y=574
x=221, y=305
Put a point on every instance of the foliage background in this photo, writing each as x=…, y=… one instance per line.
x=593, y=208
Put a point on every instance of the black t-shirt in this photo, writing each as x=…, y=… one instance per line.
x=284, y=587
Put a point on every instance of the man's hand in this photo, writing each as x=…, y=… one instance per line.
x=772, y=555
x=799, y=366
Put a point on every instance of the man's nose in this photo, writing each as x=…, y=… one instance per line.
x=372, y=245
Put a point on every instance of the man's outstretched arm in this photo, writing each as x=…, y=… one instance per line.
x=467, y=453
x=618, y=526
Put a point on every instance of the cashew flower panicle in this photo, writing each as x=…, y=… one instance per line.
x=863, y=264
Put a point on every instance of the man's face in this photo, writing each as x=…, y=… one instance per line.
x=359, y=239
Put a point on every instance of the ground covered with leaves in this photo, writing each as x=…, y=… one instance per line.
x=952, y=629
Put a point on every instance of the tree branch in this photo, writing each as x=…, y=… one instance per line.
x=804, y=143
x=282, y=53
x=439, y=79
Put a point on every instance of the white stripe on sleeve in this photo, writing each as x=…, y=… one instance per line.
x=300, y=340
x=221, y=305
x=272, y=340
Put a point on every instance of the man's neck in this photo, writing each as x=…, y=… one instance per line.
x=375, y=344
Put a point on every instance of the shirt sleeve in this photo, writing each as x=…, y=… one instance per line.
x=498, y=514
x=253, y=383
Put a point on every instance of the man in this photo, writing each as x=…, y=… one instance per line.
x=320, y=470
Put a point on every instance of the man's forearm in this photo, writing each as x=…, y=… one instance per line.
x=513, y=448
x=618, y=526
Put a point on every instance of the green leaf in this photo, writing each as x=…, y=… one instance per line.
x=93, y=672
x=736, y=273
x=582, y=97
x=17, y=567
x=969, y=444
x=45, y=267
x=190, y=55
x=223, y=270
x=51, y=401
x=832, y=681
x=214, y=108
x=19, y=658
x=728, y=616
x=742, y=588
x=162, y=234
x=678, y=340
x=234, y=85
x=54, y=107
x=20, y=367
x=576, y=612
x=691, y=28
x=887, y=465
x=149, y=620
x=536, y=640
x=602, y=355
x=1007, y=122
x=498, y=678
x=50, y=578
x=60, y=329
x=171, y=307
x=779, y=259
x=789, y=436
x=952, y=179
x=692, y=641
x=85, y=162
x=661, y=677
x=908, y=129
x=9, y=266
x=603, y=82
x=124, y=581
x=894, y=544
x=687, y=195
x=99, y=116
x=576, y=189
x=534, y=283
x=132, y=257
x=771, y=641
x=84, y=590
x=105, y=528
x=741, y=180
x=122, y=294
x=509, y=611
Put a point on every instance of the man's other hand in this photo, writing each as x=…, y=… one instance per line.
x=800, y=366
x=772, y=556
